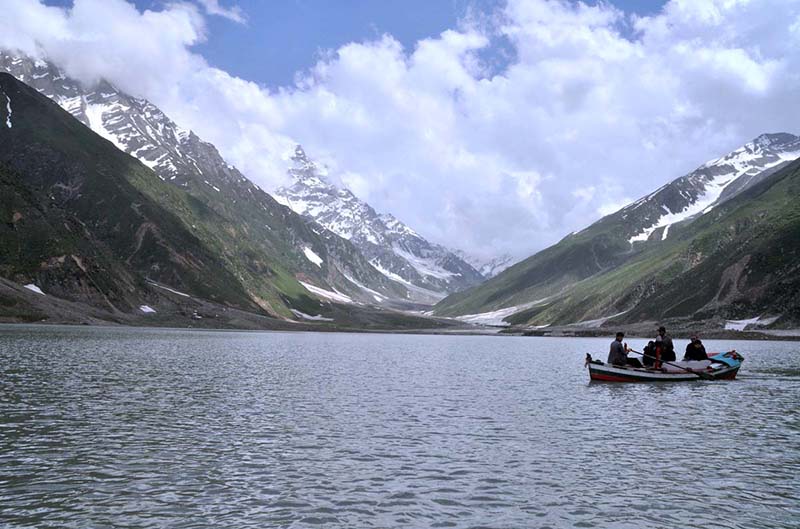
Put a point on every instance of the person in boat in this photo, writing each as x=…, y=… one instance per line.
x=618, y=353
x=664, y=342
x=649, y=357
x=695, y=350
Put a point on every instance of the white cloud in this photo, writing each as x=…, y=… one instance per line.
x=234, y=13
x=597, y=105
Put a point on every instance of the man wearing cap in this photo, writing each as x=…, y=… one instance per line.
x=664, y=342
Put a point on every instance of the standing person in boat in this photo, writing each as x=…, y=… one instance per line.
x=664, y=342
x=618, y=353
x=695, y=350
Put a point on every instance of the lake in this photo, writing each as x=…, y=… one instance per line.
x=120, y=427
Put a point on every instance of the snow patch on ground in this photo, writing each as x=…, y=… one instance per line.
x=437, y=296
x=215, y=188
x=426, y=267
x=8, y=110
x=169, y=289
x=409, y=285
x=283, y=201
x=740, y=325
x=713, y=191
x=147, y=309
x=311, y=256
x=496, y=317
x=309, y=317
x=94, y=113
x=391, y=275
x=34, y=288
x=376, y=295
x=334, y=296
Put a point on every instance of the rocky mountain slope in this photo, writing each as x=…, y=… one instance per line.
x=80, y=220
x=612, y=270
x=428, y=270
x=268, y=245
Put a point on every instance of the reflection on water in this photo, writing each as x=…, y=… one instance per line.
x=160, y=428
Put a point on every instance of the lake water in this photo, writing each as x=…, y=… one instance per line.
x=166, y=428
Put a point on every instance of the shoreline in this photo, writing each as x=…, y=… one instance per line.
x=301, y=327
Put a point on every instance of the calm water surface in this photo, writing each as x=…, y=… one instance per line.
x=161, y=428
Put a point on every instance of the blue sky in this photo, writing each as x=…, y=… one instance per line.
x=283, y=37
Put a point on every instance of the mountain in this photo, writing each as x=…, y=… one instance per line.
x=488, y=268
x=707, y=186
x=88, y=234
x=612, y=270
x=428, y=270
x=269, y=246
x=80, y=221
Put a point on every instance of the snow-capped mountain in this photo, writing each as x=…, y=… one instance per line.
x=599, y=271
x=714, y=182
x=488, y=268
x=326, y=264
x=134, y=125
x=393, y=248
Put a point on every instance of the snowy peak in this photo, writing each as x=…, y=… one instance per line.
x=711, y=184
x=488, y=268
x=776, y=141
x=394, y=249
x=132, y=124
x=759, y=154
x=305, y=171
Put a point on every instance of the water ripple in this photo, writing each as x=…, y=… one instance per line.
x=160, y=428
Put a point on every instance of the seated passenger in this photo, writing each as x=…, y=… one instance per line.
x=695, y=350
x=649, y=351
x=618, y=353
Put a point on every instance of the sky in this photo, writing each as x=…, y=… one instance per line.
x=269, y=42
x=489, y=126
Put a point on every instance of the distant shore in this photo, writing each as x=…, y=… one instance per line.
x=283, y=326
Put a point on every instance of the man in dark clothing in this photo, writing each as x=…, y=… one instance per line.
x=618, y=353
x=649, y=351
x=664, y=341
x=695, y=350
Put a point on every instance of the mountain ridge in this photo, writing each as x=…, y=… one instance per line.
x=555, y=276
x=394, y=249
x=179, y=157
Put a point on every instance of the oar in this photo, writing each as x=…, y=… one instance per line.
x=700, y=374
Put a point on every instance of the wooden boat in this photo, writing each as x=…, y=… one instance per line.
x=720, y=366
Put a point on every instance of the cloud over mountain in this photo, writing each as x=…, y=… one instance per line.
x=502, y=135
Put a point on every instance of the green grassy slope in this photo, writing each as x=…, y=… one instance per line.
x=742, y=259
x=603, y=246
x=738, y=260
x=94, y=207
